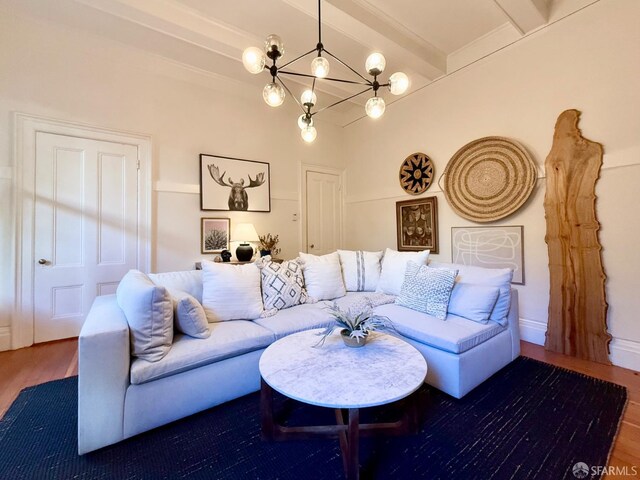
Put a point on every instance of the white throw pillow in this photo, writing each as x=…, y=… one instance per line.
x=231, y=292
x=188, y=315
x=394, y=266
x=322, y=276
x=473, y=302
x=149, y=312
x=282, y=285
x=427, y=289
x=360, y=270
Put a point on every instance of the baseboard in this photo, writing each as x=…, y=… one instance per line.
x=5, y=338
x=625, y=354
x=532, y=331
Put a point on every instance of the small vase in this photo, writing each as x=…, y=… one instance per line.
x=264, y=253
x=351, y=341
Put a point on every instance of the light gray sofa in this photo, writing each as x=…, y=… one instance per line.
x=120, y=396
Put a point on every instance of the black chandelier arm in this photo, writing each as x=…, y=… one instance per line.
x=297, y=58
x=344, y=64
x=369, y=84
x=292, y=95
x=341, y=101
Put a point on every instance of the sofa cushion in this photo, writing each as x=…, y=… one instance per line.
x=394, y=266
x=427, y=289
x=455, y=335
x=282, y=285
x=189, y=281
x=322, y=276
x=149, y=312
x=188, y=315
x=473, y=302
x=360, y=270
x=296, y=319
x=231, y=292
x=228, y=339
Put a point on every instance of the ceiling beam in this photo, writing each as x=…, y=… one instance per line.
x=525, y=15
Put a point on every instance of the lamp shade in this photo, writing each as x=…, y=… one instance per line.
x=245, y=232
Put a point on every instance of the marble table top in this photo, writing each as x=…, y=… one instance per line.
x=386, y=369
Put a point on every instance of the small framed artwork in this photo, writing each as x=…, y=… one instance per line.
x=491, y=247
x=233, y=184
x=417, y=224
x=214, y=234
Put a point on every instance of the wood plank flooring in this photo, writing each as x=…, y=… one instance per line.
x=50, y=361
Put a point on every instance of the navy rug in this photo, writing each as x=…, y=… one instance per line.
x=530, y=420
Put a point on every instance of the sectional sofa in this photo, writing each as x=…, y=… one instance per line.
x=121, y=395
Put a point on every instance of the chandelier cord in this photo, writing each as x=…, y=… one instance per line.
x=319, y=26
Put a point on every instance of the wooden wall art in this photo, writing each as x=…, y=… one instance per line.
x=416, y=173
x=417, y=224
x=577, y=304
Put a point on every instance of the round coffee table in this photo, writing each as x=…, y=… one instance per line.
x=385, y=370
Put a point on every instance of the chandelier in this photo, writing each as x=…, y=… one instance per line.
x=254, y=60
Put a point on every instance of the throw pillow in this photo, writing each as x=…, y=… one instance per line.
x=282, y=285
x=149, y=312
x=188, y=315
x=473, y=302
x=427, y=289
x=231, y=292
x=360, y=270
x=394, y=265
x=322, y=276
x=188, y=281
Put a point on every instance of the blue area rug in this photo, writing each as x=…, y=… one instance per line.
x=529, y=421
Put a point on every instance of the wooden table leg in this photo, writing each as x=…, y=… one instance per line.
x=353, y=441
x=266, y=410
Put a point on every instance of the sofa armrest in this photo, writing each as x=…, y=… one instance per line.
x=514, y=323
x=103, y=375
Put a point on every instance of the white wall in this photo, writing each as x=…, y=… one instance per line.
x=589, y=61
x=56, y=72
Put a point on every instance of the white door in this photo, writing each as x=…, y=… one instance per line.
x=86, y=228
x=324, y=212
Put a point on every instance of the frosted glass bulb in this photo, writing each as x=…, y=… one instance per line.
x=375, y=107
x=320, y=67
x=398, y=83
x=253, y=60
x=273, y=45
x=308, y=97
x=273, y=94
x=303, y=121
x=309, y=134
x=375, y=64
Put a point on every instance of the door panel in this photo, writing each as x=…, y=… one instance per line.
x=85, y=228
x=324, y=212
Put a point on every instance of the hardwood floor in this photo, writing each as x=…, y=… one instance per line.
x=50, y=361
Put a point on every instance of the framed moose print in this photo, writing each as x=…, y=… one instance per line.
x=417, y=224
x=233, y=184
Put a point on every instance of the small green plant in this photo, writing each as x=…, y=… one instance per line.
x=357, y=324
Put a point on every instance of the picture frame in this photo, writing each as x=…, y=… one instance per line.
x=215, y=234
x=490, y=247
x=417, y=224
x=234, y=184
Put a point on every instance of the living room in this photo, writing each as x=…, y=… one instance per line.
x=171, y=77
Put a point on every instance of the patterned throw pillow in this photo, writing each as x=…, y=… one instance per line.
x=360, y=270
x=427, y=289
x=282, y=285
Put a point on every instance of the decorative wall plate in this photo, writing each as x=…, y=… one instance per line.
x=489, y=179
x=416, y=173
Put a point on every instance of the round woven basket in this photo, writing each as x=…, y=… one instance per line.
x=489, y=179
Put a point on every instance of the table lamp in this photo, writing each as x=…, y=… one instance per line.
x=245, y=233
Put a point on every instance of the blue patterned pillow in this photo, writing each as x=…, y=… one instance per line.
x=427, y=289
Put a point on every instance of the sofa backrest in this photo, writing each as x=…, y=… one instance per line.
x=189, y=281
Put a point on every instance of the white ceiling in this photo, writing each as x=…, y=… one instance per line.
x=426, y=39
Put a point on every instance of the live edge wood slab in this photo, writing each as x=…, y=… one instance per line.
x=577, y=303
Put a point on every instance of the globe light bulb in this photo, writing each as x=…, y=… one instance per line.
x=320, y=67
x=273, y=46
x=309, y=134
x=375, y=107
x=273, y=94
x=398, y=83
x=375, y=64
x=308, y=96
x=304, y=121
x=253, y=60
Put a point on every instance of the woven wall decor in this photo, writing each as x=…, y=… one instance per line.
x=489, y=179
x=416, y=173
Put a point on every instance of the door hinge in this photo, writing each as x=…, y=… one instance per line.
x=138, y=165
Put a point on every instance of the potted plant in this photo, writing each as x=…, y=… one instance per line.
x=268, y=245
x=355, y=326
